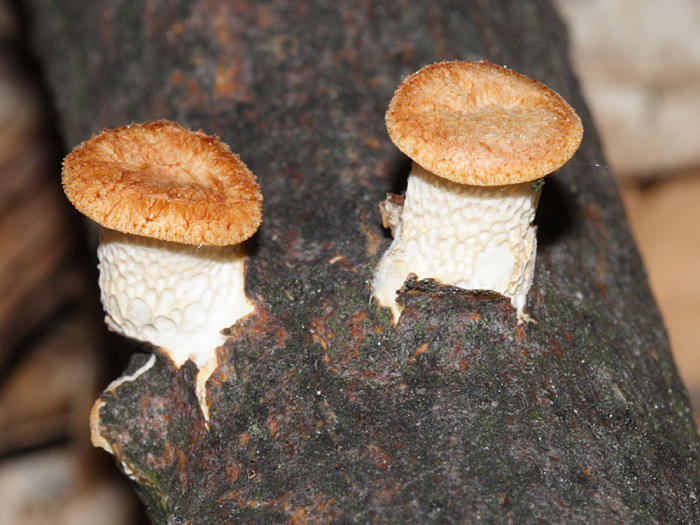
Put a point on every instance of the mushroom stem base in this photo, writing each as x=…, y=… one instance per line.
x=177, y=297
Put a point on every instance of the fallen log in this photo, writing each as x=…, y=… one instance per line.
x=321, y=410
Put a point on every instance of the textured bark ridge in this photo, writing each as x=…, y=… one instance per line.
x=322, y=410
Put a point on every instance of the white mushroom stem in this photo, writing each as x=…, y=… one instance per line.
x=175, y=296
x=473, y=237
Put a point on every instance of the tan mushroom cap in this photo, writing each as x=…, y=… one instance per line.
x=163, y=181
x=481, y=124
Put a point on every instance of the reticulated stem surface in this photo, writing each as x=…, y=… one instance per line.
x=175, y=296
x=473, y=237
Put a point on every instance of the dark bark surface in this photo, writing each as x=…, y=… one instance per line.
x=322, y=411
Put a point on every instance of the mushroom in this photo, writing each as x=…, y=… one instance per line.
x=173, y=206
x=478, y=135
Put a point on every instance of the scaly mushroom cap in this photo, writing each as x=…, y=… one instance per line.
x=481, y=124
x=163, y=181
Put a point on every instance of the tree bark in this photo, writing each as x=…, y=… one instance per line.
x=322, y=410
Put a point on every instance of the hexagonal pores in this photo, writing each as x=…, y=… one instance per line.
x=174, y=205
x=478, y=134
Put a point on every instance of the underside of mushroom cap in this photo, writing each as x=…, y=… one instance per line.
x=163, y=181
x=481, y=124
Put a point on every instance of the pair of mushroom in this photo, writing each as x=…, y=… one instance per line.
x=174, y=205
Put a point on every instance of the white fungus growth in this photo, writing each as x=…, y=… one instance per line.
x=175, y=296
x=97, y=439
x=473, y=237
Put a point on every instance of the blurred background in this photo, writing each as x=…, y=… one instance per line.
x=638, y=62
